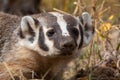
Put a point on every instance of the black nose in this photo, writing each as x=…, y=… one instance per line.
x=68, y=44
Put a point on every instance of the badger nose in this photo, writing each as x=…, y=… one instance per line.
x=68, y=44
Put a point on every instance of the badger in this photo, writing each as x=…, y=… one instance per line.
x=40, y=46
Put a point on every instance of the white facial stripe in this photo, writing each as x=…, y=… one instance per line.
x=47, y=41
x=62, y=23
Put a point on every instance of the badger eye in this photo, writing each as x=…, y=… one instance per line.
x=50, y=33
x=75, y=31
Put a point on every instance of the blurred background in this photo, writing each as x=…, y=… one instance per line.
x=104, y=50
x=103, y=8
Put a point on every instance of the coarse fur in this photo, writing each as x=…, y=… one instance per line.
x=41, y=45
x=6, y=31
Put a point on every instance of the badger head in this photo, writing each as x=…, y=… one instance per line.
x=54, y=34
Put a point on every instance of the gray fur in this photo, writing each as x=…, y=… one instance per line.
x=6, y=31
x=36, y=43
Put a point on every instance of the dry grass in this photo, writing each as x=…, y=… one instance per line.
x=104, y=51
x=102, y=56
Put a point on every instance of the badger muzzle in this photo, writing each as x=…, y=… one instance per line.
x=67, y=45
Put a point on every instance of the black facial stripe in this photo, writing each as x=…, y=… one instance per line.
x=73, y=32
x=71, y=26
x=70, y=20
x=81, y=33
x=41, y=40
x=52, y=23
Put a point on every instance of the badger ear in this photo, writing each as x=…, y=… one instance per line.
x=88, y=29
x=28, y=27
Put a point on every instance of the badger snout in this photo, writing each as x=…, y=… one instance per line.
x=67, y=44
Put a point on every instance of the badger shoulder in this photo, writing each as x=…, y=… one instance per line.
x=8, y=23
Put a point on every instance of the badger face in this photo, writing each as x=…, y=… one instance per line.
x=55, y=34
